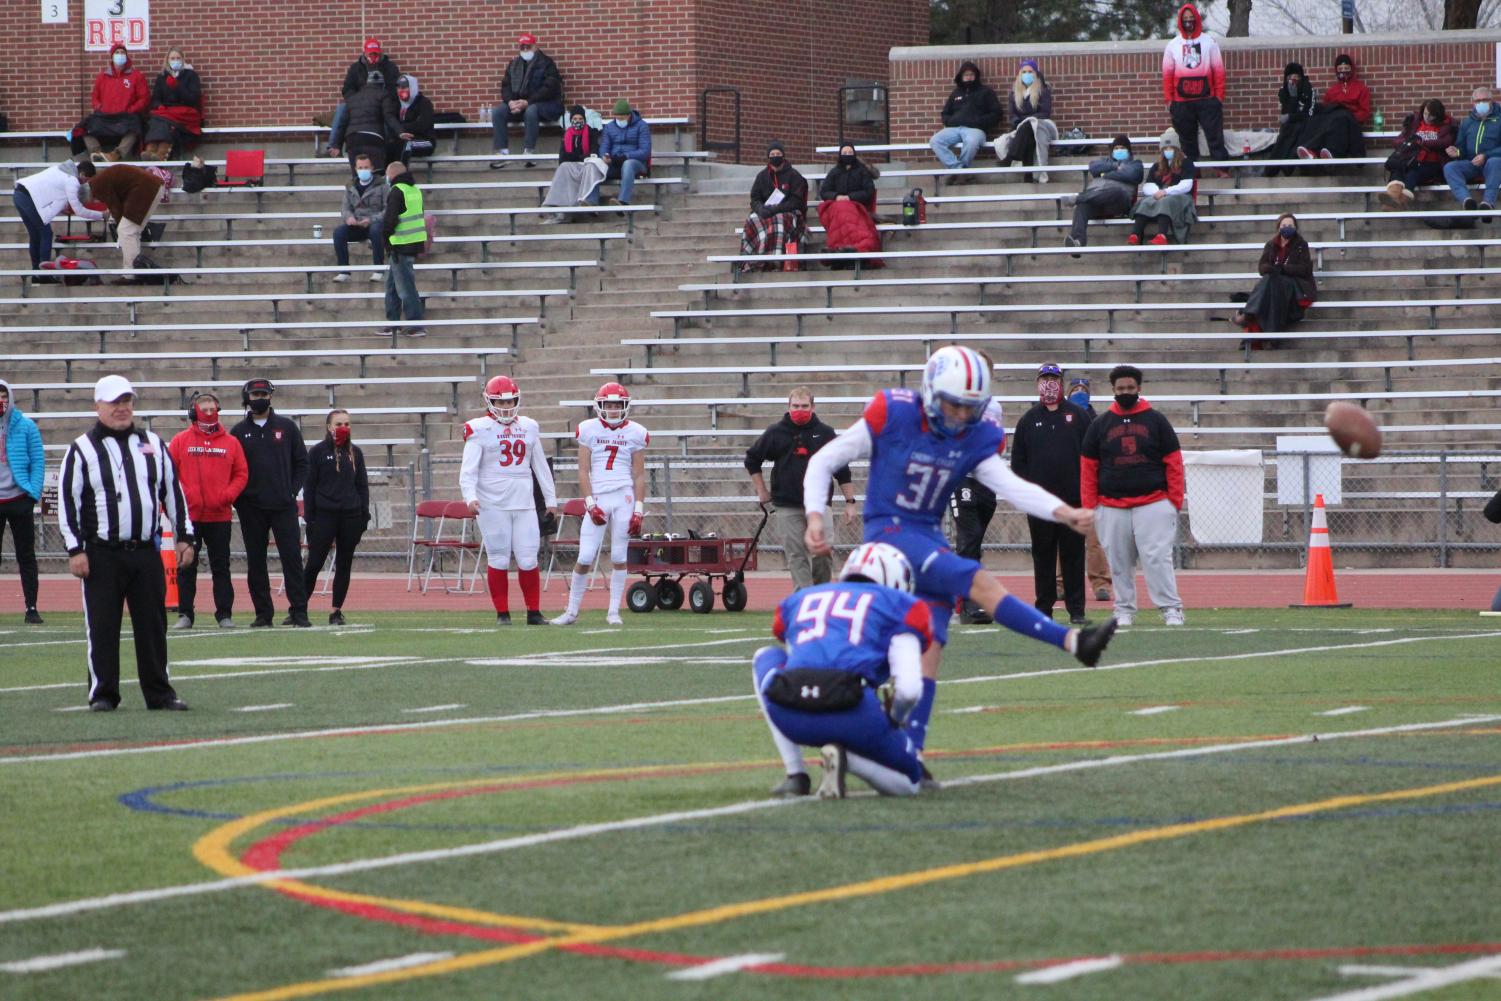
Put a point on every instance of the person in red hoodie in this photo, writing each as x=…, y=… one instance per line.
x=1193, y=85
x=1422, y=150
x=120, y=96
x=1131, y=476
x=211, y=468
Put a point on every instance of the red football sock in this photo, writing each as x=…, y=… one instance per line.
x=500, y=588
x=531, y=588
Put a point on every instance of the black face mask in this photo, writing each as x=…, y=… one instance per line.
x=776, y=161
x=259, y=407
x=846, y=159
x=1127, y=400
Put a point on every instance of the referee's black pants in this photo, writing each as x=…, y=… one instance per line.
x=120, y=579
x=1057, y=546
x=256, y=526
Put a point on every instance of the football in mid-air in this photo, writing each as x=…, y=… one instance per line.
x=1353, y=430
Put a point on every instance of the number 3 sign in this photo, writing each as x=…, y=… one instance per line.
x=54, y=11
x=107, y=23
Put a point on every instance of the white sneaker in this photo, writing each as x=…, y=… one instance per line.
x=613, y=619
x=375, y=276
x=1172, y=617
x=566, y=619
x=342, y=276
x=835, y=764
x=1123, y=621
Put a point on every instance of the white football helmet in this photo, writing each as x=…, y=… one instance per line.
x=502, y=399
x=882, y=563
x=961, y=376
x=612, y=403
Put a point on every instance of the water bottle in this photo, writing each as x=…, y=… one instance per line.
x=1378, y=121
x=483, y=115
x=914, y=208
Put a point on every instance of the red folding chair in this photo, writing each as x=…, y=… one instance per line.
x=87, y=236
x=447, y=534
x=243, y=168
x=569, y=509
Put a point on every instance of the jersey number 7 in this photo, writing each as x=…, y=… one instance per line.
x=821, y=606
x=614, y=450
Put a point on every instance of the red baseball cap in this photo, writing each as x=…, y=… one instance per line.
x=372, y=46
x=527, y=38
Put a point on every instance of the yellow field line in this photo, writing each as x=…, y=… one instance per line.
x=884, y=884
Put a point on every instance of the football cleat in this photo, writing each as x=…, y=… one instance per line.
x=502, y=618
x=793, y=786
x=835, y=765
x=614, y=619
x=1090, y=643
x=928, y=783
x=612, y=403
x=566, y=619
x=959, y=376
x=535, y=619
x=502, y=399
x=880, y=563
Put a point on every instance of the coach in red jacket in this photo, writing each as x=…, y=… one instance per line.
x=211, y=468
x=121, y=94
x=1131, y=476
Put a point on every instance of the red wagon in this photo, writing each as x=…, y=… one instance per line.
x=664, y=563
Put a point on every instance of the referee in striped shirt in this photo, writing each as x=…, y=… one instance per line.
x=117, y=480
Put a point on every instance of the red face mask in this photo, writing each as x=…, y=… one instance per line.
x=341, y=436
x=207, y=423
x=4, y=406
x=1049, y=392
x=800, y=417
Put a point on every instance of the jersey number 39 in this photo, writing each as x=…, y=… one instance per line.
x=512, y=452
x=816, y=609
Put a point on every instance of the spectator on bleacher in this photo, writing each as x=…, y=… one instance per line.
x=625, y=147
x=1109, y=193
x=1032, y=127
x=1167, y=197
x=130, y=194
x=531, y=92
x=415, y=117
x=1131, y=476
x=335, y=507
x=363, y=217
x=789, y=443
x=1423, y=148
x=1336, y=129
x=22, y=474
x=779, y=204
x=43, y=196
x=580, y=168
x=211, y=467
x=1287, y=285
x=1477, y=154
x=176, y=119
x=1294, y=108
x=373, y=66
x=1193, y=84
x=847, y=204
x=373, y=114
x=405, y=230
x=970, y=112
x=278, y=467
x=120, y=96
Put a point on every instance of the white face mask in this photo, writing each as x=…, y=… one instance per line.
x=175, y=65
x=120, y=59
x=622, y=122
x=529, y=55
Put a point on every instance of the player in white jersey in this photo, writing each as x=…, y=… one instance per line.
x=612, y=477
x=502, y=452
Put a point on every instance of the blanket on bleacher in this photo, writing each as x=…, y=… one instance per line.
x=849, y=226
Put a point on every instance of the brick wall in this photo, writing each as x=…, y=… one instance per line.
x=281, y=63
x=1106, y=88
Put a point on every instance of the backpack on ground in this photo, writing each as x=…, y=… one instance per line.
x=74, y=270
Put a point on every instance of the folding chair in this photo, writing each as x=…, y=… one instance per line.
x=67, y=235
x=243, y=168
x=448, y=535
x=569, y=509
x=459, y=511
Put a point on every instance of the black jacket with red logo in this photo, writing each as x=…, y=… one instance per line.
x=789, y=447
x=1131, y=459
x=277, y=460
x=1046, y=446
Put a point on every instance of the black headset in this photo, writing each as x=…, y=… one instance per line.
x=245, y=390
x=193, y=405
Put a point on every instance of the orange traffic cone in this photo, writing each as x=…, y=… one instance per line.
x=1318, y=583
x=169, y=566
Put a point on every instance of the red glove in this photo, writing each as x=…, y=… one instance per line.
x=597, y=514
x=635, y=526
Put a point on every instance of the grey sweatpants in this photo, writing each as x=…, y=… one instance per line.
x=806, y=570
x=1146, y=533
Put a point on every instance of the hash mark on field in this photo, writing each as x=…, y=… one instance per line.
x=437, y=709
x=70, y=709
x=1345, y=711
x=1155, y=710
x=41, y=964
x=261, y=709
x=719, y=967
x=388, y=965
x=1240, y=632
x=1067, y=971
x=1423, y=981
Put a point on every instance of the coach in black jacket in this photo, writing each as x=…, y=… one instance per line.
x=788, y=443
x=1045, y=450
x=277, y=460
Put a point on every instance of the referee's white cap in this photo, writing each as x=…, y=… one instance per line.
x=111, y=388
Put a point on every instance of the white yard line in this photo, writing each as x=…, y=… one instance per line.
x=1345, y=711
x=41, y=964
x=1351, y=970
x=1155, y=710
x=1068, y=971
x=79, y=906
x=720, y=967
x=438, y=709
x=389, y=965
x=263, y=709
x=1424, y=981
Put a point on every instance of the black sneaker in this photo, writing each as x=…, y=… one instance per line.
x=261, y=622
x=793, y=785
x=536, y=619
x=502, y=618
x=1487, y=207
x=500, y=164
x=33, y=618
x=1093, y=641
x=1077, y=620
x=1471, y=205
x=298, y=619
x=174, y=705
x=100, y=706
x=336, y=618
